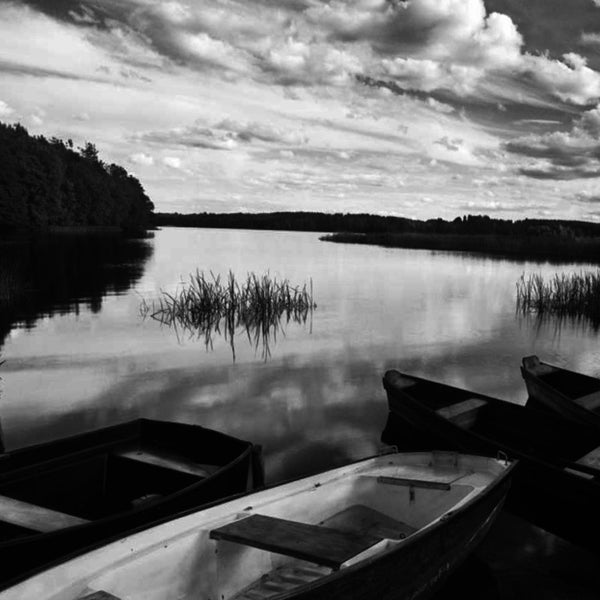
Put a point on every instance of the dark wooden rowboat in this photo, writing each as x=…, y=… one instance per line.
x=63, y=495
x=573, y=395
x=556, y=486
x=389, y=527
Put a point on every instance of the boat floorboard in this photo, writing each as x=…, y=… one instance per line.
x=169, y=461
x=320, y=545
x=282, y=580
x=34, y=517
x=365, y=520
x=591, y=459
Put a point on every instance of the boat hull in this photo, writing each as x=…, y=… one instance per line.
x=554, y=499
x=38, y=464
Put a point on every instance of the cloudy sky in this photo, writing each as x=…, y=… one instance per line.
x=420, y=108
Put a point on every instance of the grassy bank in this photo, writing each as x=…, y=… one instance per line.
x=554, y=248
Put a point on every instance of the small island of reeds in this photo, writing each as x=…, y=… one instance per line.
x=572, y=295
x=208, y=305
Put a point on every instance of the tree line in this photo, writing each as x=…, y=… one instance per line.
x=46, y=183
x=366, y=223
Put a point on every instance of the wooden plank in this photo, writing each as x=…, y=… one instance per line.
x=462, y=413
x=421, y=483
x=174, y=463
x=591, y=459
x=321, y=545
x=589, y=402
x=36, y=518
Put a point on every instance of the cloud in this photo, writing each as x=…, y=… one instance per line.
x=5, y=109
x=588, y=198
x=141, y=158
x=589, y=39
x=226, y=134
x=453, y=145
x=172, y=161
x=563, y=155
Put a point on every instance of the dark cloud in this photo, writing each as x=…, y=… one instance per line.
x=19, y=69
x=559, y=174
x=80, y=12
x=588, y=198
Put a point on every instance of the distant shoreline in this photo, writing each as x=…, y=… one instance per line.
x=555, y=240
x=527, y=248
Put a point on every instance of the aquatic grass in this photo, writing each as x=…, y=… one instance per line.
x=573, y=295
x=208, y=305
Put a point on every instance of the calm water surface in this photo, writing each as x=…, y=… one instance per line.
x=83, y=357
x=79, y=355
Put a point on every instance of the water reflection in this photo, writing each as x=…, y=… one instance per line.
x=61, y=274
x=261, y=330
x=205, y=307
x=543, y=324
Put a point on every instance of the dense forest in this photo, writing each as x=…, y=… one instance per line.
x=365, y=223
x=47, y=183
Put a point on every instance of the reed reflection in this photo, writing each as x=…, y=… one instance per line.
x=259, y=307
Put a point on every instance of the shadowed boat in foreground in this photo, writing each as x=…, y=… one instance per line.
x=389, y=527
x=573, y=395
x=61, y=496
x=555, y=486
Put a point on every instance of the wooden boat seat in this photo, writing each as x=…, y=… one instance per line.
x=321, y=545
x=589, y=402
x=169, y=461
x=35, y=518
x=463, y=414
x=591, y=459
x=365, y=520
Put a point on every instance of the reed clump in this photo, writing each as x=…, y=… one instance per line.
x=565, y=295
x=209, y=305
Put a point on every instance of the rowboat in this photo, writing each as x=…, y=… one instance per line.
x=557, y=482
x=573, y=395
x=66, y=494
x=387, y=527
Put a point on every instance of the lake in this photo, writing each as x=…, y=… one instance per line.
x=80, y=355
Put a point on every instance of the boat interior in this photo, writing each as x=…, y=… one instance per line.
x=582, y=389
x=92, y=484
x=534, y=432
x=290, y=536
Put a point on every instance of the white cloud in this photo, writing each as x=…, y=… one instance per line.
x=172, y=161
x=141, y=158
x=5, y=109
